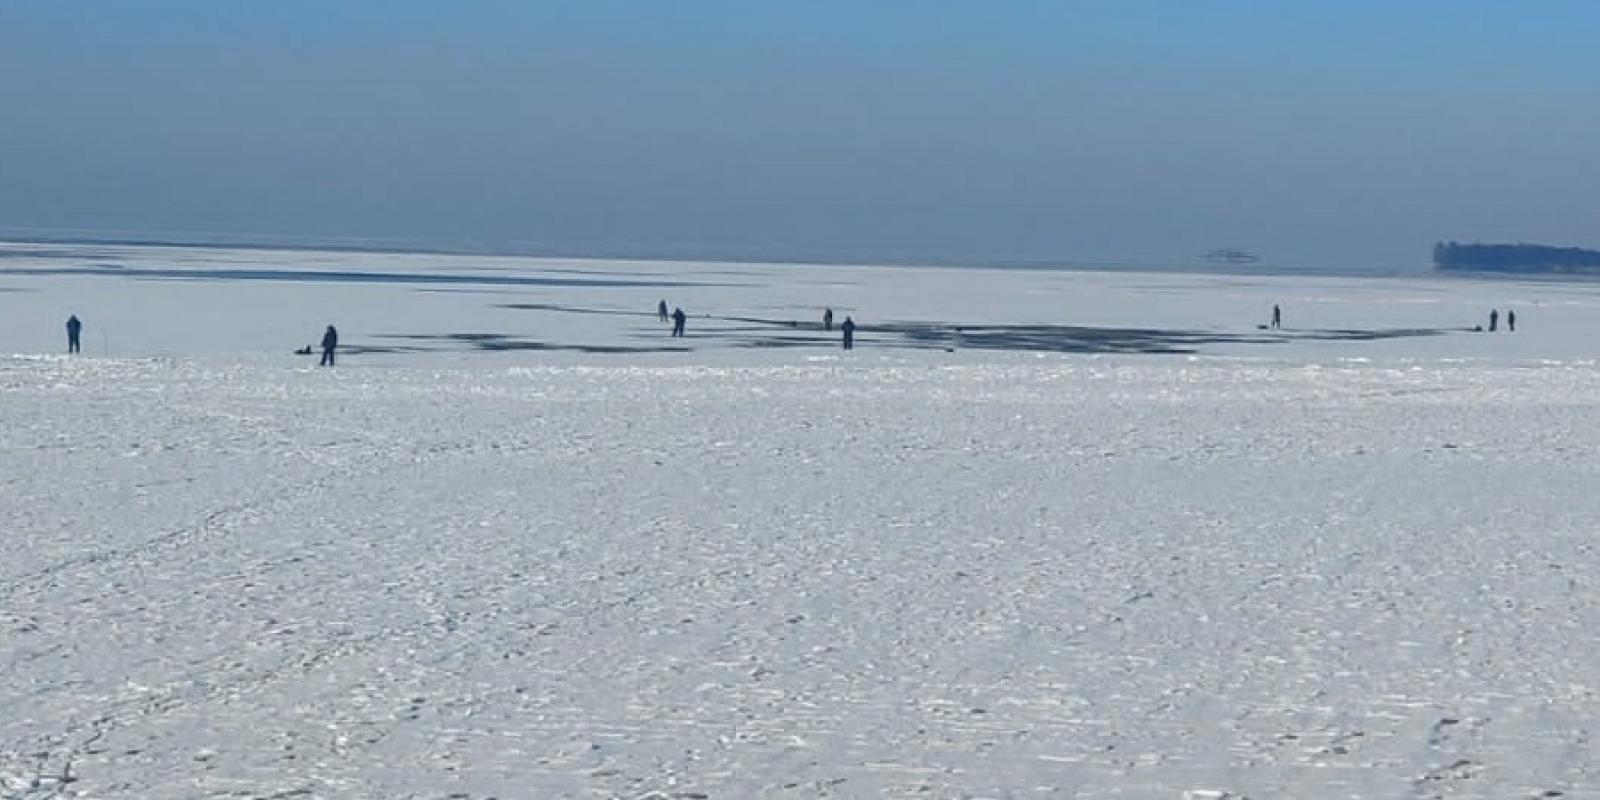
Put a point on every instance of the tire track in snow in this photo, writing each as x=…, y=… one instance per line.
x=61, y=751
x=223, y=519
x=53, y=755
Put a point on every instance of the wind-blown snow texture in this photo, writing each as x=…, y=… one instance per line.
x=1308, y=567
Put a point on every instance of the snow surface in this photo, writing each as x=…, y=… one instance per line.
x=1352, y=560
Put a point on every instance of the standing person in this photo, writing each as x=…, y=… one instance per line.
x=74, y=330
x=1511, y=320
x=827, y=319
x=330, y=342
x=1277, y=317
x=1494, y=319
x=678, y=318
x=661, y=311
x=849, y=328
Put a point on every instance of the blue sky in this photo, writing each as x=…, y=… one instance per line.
x=1314, y=132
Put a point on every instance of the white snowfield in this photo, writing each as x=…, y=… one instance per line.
x=528, y=552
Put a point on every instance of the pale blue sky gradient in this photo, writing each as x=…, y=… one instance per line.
x=1314, y=132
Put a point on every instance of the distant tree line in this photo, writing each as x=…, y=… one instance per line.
x=1515, y=257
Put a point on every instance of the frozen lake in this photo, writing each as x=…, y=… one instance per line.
x=1044, y=534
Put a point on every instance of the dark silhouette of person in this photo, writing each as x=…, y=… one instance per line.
x=1511, y=320
x=827, y=319
x=849, y=328
x=661, y=311
x=330, y=342
x=1277, y=317
x=74, y=330
x=1494, y=319
x=678, y=318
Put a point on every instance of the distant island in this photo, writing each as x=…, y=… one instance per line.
x=1536, y=258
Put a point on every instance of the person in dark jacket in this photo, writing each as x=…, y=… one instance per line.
x=1494, y=319
x=1511, y=321
x=1277, y=317
x=74, y=330
x=661, y=311
x=827, y=319
x=678, y=318
x=330, y=342
x=849, y=328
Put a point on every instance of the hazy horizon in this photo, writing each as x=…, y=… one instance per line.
x=1350, y=133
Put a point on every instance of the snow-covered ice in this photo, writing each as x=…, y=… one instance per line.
x=1107, y=540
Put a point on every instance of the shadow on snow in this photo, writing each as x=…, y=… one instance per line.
x=759, y=332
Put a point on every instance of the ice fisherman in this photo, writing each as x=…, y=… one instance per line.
x=1494, y=319
x=330, y=342
x=827, y=319
x=661, y=311
x=1511, y=320
x=678, y=318
x=74, y=331
x=1277, y=317
x=849, y=328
